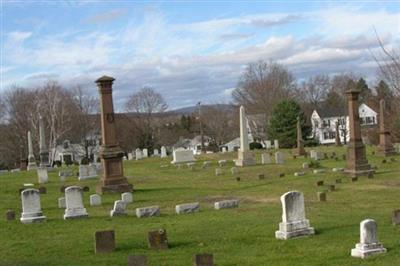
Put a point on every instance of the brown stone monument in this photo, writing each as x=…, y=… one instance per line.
x=111, y=154
x=337, y=134
x=385, y=146
x=300, y=143
x=357, y=163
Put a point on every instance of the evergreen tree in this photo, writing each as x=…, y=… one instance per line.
x=384, y=92
x=365, y=91
x=283, y=123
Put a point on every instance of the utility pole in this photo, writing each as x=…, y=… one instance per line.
x=201, y=128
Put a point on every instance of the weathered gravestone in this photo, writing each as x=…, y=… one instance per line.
x=10, y=215
x=218, y=171
x=396, y=217
x=63, y=174
x=155, y=152
x=187, y=208
x=104, y=241
x=42, y=190
x=31, y=209
x=145, y=153
x=268, y=144
x=316, y=155
x=61, y=203
x=276, y=144
x=321, y=196
x=157, y=239
x=43, y=176
x=369, y=244
x=130, y=156
x=119, y=208
x=203, y=260
x=137, y=260
x=127, y=197
x=163, y=152
x=181, y=155
x=74, y=203
x=95, y=200
x=138, y=154
x=294, y=222
x=148, y=211
x=225, y=204
x=234, y=171
x=279, y=158
x=265, y=158
x=87, y=171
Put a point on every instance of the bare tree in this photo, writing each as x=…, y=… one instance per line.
x=262, y=86
x=315, y=89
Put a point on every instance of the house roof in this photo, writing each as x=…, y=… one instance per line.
x=331, y=112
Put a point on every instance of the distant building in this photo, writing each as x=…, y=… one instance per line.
x=76, y=152
x=324, y=120
x=192, y=144
x=255, y=131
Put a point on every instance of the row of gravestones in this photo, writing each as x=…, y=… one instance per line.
x=74, y=208
x=294, y=222
x=141, y=154
x=157, y=240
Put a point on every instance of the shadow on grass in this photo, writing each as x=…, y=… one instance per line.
x=322, y=230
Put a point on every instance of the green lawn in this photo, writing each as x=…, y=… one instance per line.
x=241, y=236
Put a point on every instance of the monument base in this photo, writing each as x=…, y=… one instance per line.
x=356, y=173
x=75, y=213
x=120, y=185
x=366, y=250
x=294, y=229
x=245, y=158
x=32, y=218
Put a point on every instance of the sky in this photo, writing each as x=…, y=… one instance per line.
x=189, y=51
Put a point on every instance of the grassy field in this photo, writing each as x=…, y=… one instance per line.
x=241, y=236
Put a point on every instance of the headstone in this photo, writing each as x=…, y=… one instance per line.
x=104, y=241
x=223, y=149
x=225, y=204
x=138, y=154
x=294, y=222
x=148, y=211
x=337, y=169
x=137, y=260
x=158, y=239
x=396, y=217
x=385, y=146
x=163, y=152
x=276, y=144
x=338, y=181
x=127, y=197
x=42, y=190
x=306, y=166
x=145, y=153
x=321, y=196
x=265, y=158
x=119, y=208
x=10, y=215
x=61, y=203
x=337, y=134
x=204, y=260
x=155, y=152
x=87, y=171
x=222, y=163
x=331, y=188
x=245, y=157
x=43, y=176
x=369, y=244
x=316, y=155
x=130, y=156
x=15, y=170
x=300, y=142
x=357, y=163
x=320, y=183
x=95, y=200
x=31, y=209
x=319, y=171
x=299, y=173
x=234, y=171
x=268, y=144
x=206, y=164
x=279, y=159
x=181, y=155
x=31, y=157
x=74, y=203
x=187, y=208
x=218, y=171
x=63, y=174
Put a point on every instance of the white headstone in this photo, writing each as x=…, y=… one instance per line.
x=369, y=244
x=148, y=211
x=74, y=203
x=234, y=171
x=155, y=152
x=127, y=197
x=130, y=156
x=268, y=144
x=316, y=155
x=265, y=158
x=181, y=155
x=279, y=158
x=276, y=144
x=294, y=222
x=138, y=154
x=224, y=204
x=87, y=171
x=187, y=208
x=95, y=200
x=223, y=149
x=119, y=208
x=31, y=209
x=43, y=176
x=145, y=153
x=61, y=203
x=163, y=152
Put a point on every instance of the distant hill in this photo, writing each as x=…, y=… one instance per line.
x=192, y=109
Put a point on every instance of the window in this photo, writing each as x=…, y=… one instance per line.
x=329, y=135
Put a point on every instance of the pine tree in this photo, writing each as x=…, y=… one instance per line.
x=365, y=91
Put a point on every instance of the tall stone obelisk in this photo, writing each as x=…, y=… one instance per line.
x=300, y=143
x=357, y=163
x=385, y=146
x=43, y=152
x=31, y=157
x=245, y=157
x=110, y=152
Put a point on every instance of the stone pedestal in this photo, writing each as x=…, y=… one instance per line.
x=245, y=158
x=111, y=154
x=357, y=163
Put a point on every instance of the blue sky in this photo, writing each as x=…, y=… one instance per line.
x=189, y=51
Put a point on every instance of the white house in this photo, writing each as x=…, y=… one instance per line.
x=323, y=123
x=192, y=144
x=253, y=131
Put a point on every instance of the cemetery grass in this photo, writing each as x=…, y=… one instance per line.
x=240, y=236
